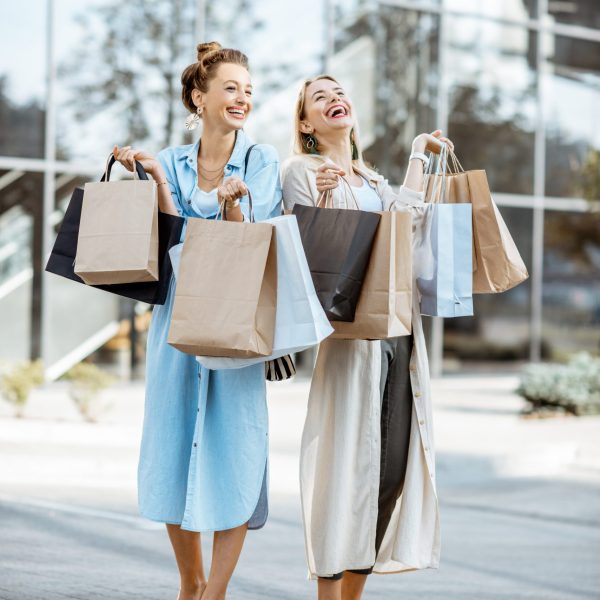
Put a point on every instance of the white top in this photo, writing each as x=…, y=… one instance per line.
x=204, y=203
x=367, y=197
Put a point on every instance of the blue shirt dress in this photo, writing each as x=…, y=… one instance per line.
x=204, y=452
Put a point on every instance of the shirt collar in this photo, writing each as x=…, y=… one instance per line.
x=235, y=160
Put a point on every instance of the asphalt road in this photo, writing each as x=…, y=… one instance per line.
x=507, y=539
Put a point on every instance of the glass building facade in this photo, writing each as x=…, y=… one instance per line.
x=516, y=84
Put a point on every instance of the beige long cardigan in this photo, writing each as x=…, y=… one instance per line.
x=340, y=453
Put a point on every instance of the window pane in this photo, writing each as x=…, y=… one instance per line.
x=513, y=10
x=18, y=199
x=492, y=105
x=22, y=78
x=575, y=12
x=499, y=330
x=407, y=80
x=572, y=98
x=571, y=288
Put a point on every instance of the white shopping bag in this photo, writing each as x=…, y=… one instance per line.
x=300, y=321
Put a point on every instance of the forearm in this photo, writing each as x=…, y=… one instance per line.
x=165, y=199
x=414, y=175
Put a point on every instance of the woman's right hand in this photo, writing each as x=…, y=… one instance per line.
x=126, y=156
x=328, y=176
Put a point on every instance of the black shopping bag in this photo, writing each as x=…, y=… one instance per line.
x=337, y=243
x=62, y=258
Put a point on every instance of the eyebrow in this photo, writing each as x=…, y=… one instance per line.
x=236, y=83
x=337, y=89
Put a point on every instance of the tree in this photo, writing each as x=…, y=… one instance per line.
x=133, y=55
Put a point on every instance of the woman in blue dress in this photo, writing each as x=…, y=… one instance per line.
x=204, y=452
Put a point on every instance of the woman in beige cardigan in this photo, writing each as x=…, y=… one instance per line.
x=367, y=468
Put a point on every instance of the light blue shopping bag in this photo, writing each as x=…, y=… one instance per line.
x=447, y=291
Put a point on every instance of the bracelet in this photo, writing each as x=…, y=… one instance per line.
x=232, y=203
x=162, y=182
x=420, y=156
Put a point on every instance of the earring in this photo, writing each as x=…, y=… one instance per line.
x=193, y=119
x=311, y=144
x=353, y=146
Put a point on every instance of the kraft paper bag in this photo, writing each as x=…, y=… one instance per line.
x=385, y=304
x=226, y=290
x=497, y=264
x=62, y=258
x=118, y=231
x=300, y=321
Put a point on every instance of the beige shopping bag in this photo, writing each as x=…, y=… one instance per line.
x=385, y=304
x=226, y=292
x=118, y=231
x=497, y=264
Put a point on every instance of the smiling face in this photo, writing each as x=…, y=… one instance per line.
x=327, y=108
x=228, y=100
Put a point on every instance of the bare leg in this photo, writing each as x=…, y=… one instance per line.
x=188, y=554
x=227, y=546
x=330, y=589
x=353, y=585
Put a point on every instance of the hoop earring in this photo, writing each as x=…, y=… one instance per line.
x=193, y=119
x=311, y=144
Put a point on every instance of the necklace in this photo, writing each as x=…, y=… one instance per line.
x=217, y=177
x=212, y=170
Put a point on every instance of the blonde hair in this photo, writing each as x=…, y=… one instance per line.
x=301, y=139
x=198, y=75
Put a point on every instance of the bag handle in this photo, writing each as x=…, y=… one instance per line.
x=327, y=195
x=138, y=172
x=439, y=175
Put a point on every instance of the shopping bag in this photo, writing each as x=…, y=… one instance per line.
x=385, y=304
x=118, y=230
x=447, y=291
x=300, y=321
x=337, y=243
x=226, y=292
x=497, y=264
x=62, y=258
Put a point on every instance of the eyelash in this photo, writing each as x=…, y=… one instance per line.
x=232, y=89
x=323, y=97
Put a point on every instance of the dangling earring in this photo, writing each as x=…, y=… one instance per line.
x=311, y=144
x=193, y=119
x=354, y=146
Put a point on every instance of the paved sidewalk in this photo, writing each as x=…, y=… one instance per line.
x=519, y=500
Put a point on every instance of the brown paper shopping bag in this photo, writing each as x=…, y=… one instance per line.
x=497, y=264
x=385, y=304
x=118, y=231
x=226, y=291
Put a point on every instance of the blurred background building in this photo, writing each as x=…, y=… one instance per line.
x=516, y=84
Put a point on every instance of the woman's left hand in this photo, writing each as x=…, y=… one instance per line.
x=433, y=142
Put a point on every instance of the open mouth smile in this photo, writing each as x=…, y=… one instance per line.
x=337, y=111
x=237, y=112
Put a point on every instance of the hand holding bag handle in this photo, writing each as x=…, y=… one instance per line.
x=138, y=172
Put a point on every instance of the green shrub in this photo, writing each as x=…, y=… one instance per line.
x=87, y=381
x=573, y=388
x=17, y=383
